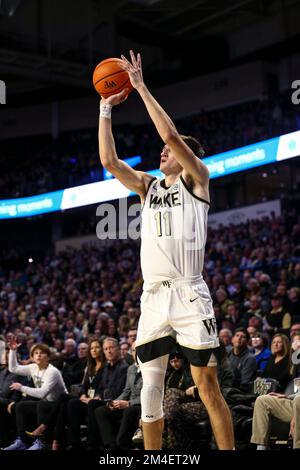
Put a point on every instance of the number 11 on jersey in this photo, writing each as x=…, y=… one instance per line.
x=166, y=216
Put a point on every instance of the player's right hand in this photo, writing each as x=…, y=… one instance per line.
x=116, y=99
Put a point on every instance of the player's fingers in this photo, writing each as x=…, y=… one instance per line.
x=126, y=62
x=133, y=59
x=139, y=60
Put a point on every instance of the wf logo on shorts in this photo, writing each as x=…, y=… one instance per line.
x=2, y=92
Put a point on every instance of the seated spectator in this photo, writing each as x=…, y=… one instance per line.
x=124, y=354
x=225, y=337
x=279, y=364
x=222, y=300
x=231, y=318
x=278, y=320
x=295, y=347
x=8, y=399
x=110, y=383
x=293, y=303
x=73, y=373
x=56, y=420
x=183, y=407
x=260, y=350
x=118, y=421
x=68, y=354
x=242, y=360
x=253, y=310
x=295, y=330
x=286, y=408
x=131, y=337
x=48, y=385
x=256, y=323
x=178, y=374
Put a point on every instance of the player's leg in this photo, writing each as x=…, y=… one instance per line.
x=219, y=414
x=153, y=373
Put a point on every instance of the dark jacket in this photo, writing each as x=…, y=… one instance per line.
x=133, y=386
x=279, y=371
x=73, y=373
x=112, y=380
x=180, y=378
x=6, y=379
x=244, y=367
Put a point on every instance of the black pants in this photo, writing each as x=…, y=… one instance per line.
x=55, y=416
x=81, y=413
x=26, y=417
x=118, y=426
x=8, y=429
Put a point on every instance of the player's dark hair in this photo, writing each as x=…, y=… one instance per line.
x=194, y=145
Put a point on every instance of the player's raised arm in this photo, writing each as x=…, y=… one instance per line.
x=190, y=163
x=134, y=180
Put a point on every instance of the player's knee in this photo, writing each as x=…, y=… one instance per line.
x=151, y=401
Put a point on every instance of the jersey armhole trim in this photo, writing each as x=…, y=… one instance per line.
x=147, y=190
x=191, y=193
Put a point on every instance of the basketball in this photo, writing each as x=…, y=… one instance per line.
x=109, y=78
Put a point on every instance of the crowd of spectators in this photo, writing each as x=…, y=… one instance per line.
x=72, y=159
x=80, y=296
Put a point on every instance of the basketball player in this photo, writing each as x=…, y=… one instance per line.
x=176, y=303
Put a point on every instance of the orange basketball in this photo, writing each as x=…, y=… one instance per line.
x=109, y=78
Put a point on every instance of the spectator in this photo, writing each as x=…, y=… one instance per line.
x=225, y=337
x=222, y=300
x=295, y=329
x=118, y=421
x=48, y=385
x=260, y=350
x=278, y=319
x=109, y=386
x=242, y=361
x=183, y=407
x=293, y=304
x=286, y=408
x=279, y=364
x=124, y=354
x=73, y=373
x=131, y=337
x=8, y=399
x=78, y=407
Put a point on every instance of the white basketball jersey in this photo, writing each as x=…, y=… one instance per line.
x=173, y=233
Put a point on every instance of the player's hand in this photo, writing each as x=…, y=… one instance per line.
x=134, y=69
x=115, y=99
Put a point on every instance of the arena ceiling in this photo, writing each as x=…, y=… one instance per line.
x=55, y=44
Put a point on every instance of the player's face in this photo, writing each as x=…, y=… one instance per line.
x=168, y=162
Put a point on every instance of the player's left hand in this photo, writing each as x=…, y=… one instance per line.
x=134, y=69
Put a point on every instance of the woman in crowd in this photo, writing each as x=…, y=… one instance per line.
x=77, y=407
x=279, y=364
